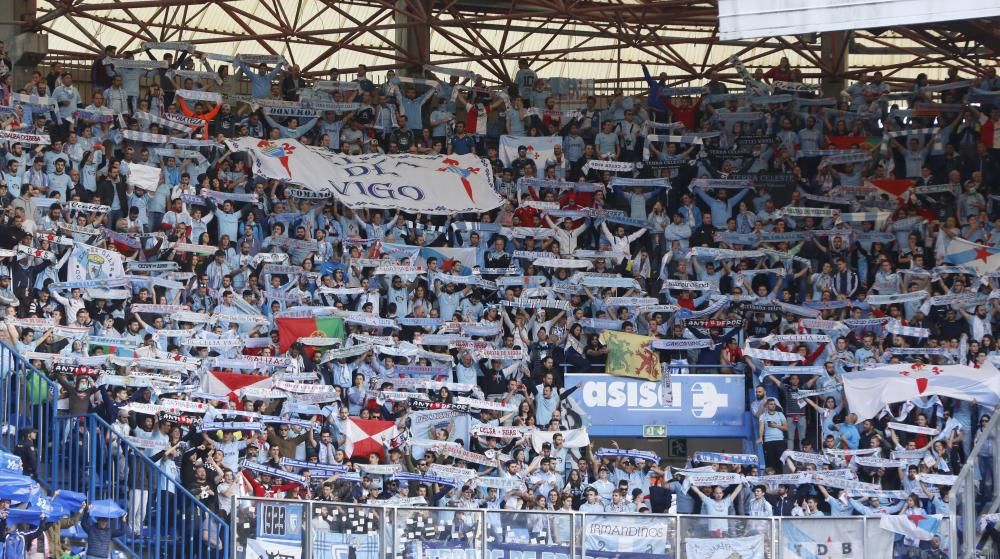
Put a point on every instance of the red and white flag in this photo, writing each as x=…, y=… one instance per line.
x=869, y=391
x=224, y=385
x=364, y=437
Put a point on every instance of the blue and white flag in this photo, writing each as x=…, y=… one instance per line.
x=960, y=252
x=10, y=462
x=715, y=307
x=807, y=539
x=448, y=258
x=645, y=183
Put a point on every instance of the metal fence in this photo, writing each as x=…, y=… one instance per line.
x=975, y=490
x=322, y=529
x=85, y=454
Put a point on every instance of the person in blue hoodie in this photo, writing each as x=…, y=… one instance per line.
x=655, y=101
x=17, y=541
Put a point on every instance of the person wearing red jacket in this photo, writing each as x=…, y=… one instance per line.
x=264, y=487
x=780, y=73
x=684, y=111
x=201, y=112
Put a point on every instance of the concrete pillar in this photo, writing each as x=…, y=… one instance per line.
x=26, y=49
x=416, y=40
x=831, y=45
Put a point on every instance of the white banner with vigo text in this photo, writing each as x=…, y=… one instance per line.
x=430, y=184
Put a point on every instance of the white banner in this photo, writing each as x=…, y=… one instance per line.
x=746, y=19
x=749, y=547
x=144, y=443
x=24, y=137
x=573, y=438
x=628, y=535
x=145, y=177
x=413, y=183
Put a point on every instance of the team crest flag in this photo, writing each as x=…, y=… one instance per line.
x=960, y=252
x=427, y=184
x=871, y=390
x=291, y=329
x=94, y=263
x=631, y=355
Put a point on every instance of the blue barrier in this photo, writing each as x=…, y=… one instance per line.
x=85, y=454
x=28, y=399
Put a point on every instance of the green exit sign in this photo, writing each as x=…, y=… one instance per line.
x=654, y=431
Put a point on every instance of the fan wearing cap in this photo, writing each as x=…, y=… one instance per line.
x=226, y=122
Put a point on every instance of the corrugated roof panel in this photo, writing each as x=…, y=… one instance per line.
x=577, y=59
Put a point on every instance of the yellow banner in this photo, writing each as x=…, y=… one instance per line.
x=630, y=355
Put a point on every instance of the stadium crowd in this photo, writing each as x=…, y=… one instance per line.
x=766, y=220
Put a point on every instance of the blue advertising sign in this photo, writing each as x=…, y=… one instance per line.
x=701, y=405
x=279, y=521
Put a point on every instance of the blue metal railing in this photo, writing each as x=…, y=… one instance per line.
x=83, y=453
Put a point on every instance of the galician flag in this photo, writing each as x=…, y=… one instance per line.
x=914, y=528
x=539, y=149
x=630, y=355
x=959, y=252
x=291, y=329
x=869, y=391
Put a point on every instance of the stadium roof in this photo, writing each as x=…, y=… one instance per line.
x=601, y=39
